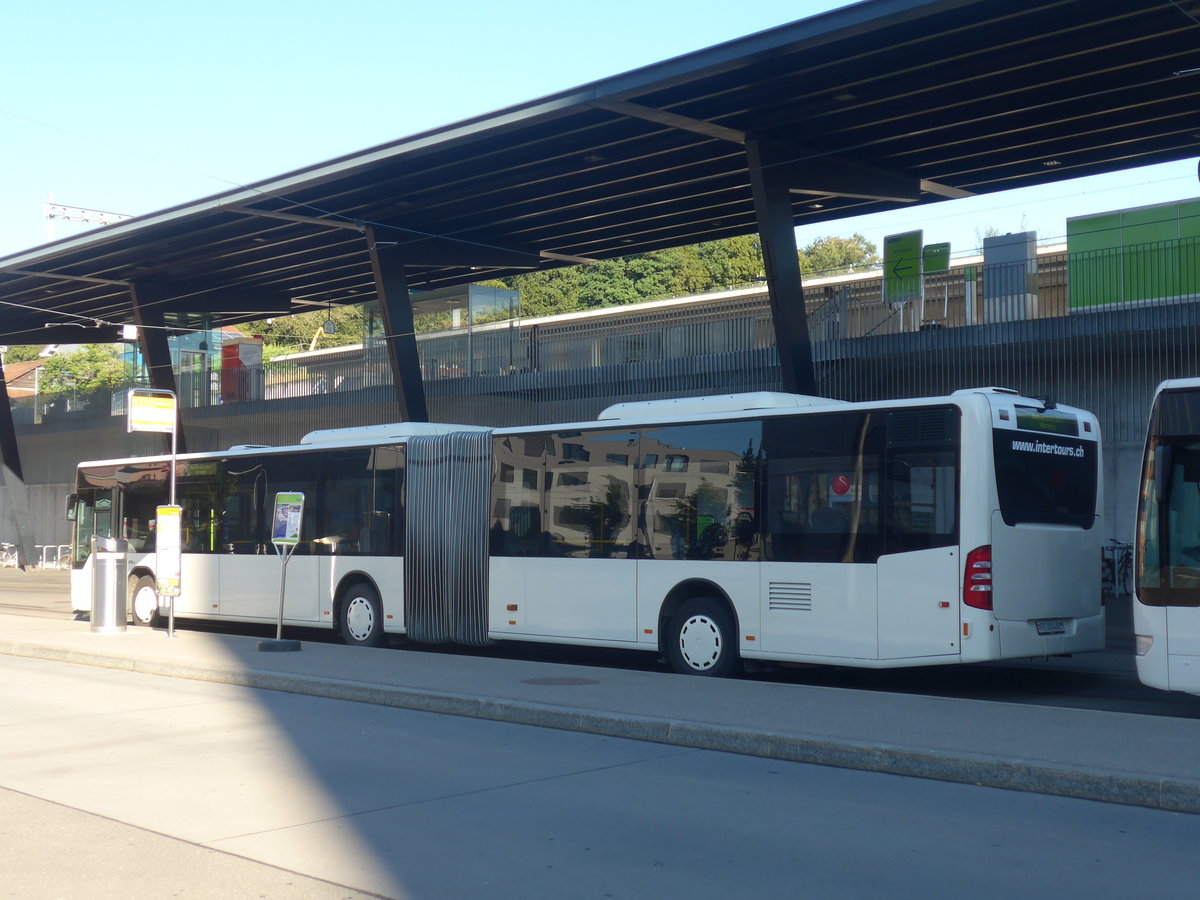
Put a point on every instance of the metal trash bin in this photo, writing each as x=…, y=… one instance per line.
x=110, y=562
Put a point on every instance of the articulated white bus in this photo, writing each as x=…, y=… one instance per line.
x=1166, y=609
x=717, y=531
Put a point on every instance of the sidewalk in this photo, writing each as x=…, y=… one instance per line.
x=1115, y=757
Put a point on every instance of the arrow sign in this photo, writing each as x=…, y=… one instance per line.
x=902, y=281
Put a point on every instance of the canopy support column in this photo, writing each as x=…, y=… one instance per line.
x=12, y=476
x=152, y=337
x=777, y=231
x=391, y=289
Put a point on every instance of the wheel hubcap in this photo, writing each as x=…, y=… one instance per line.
x=700, y=642
x=360, y=618
x=145, y=603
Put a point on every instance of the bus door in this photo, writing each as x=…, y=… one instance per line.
x=918, y=568
x=249, y=567
x=821, y=535
x=586, y=585
x=92, y=514
x=250, y=585
x=1045, y=544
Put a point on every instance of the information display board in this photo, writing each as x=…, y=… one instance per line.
x=167, y=546
x=151, y=410
x=289, y=513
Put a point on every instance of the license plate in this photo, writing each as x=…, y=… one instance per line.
x=1050, y=626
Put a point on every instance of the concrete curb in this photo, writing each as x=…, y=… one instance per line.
x=954, y=766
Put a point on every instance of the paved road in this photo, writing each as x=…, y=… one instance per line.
x=119, y=784
x=1089, y=681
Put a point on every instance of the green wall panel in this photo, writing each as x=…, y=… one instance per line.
x=1094, y=260
x=1143, y=254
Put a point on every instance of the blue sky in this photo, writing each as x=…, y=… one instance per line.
x=134, y=106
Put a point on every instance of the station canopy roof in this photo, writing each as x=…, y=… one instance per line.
x=924, y=99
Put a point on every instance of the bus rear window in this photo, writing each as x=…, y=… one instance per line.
x=1045, y=479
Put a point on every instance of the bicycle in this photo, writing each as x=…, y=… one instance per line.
x=1117, y=568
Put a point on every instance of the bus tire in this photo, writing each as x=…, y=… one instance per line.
x=143, y=601
x=701, y=639
x=360, y=616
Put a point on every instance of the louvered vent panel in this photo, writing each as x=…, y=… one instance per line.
x=789, y=596
x=918, y=427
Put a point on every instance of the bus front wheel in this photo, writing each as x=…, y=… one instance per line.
x=701, y=639
x=360, y=617
x=143, y=601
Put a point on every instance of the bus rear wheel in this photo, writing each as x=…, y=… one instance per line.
x=360, y=617
x=143, y=601
x=701, y=639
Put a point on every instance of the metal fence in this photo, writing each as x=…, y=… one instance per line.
x=1097, y=330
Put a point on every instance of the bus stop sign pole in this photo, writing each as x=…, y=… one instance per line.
x=285, y=535
x=150, y=409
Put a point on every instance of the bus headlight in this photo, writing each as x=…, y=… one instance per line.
x=1142, y=643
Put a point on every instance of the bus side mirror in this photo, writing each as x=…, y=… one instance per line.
x=72, y=500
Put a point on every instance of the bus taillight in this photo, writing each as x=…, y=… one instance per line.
x=977, y=583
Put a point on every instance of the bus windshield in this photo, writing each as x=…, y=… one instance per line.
x=1168, y=559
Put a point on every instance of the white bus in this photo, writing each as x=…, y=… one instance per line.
x=1166, y=609
x=716, y=531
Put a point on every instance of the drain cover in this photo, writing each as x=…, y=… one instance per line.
x=559, y=682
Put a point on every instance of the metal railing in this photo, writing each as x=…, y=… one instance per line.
x=1096, y=329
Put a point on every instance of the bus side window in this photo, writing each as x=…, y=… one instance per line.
x=699, y=484
x=921, y=501
x=822, y=488
x=921, y=479
x=590, y=494
x=243, y=523
x=383, y=525
x=517, y=528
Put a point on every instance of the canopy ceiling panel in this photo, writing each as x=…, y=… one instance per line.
x=961, y=96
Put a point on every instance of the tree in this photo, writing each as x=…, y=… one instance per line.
x=656, y=275
x=733, y=261
x=659, y=274
x=839, y=256
x=23, y=353
x=89, y=368
x=293, y=334
x=990, y=232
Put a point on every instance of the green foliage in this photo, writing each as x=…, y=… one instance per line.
x=89, y=368
x=675, y=272
x=658, y=275
x=839, y=256
x=732, y=262
x=293, y=334
x=22, y=353
x=990, y=231
x=678, y=272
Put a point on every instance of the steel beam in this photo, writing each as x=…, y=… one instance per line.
x=437, y=251
x=66, y=333
x=152, y=336
x=777, y=231
x=391, y=289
